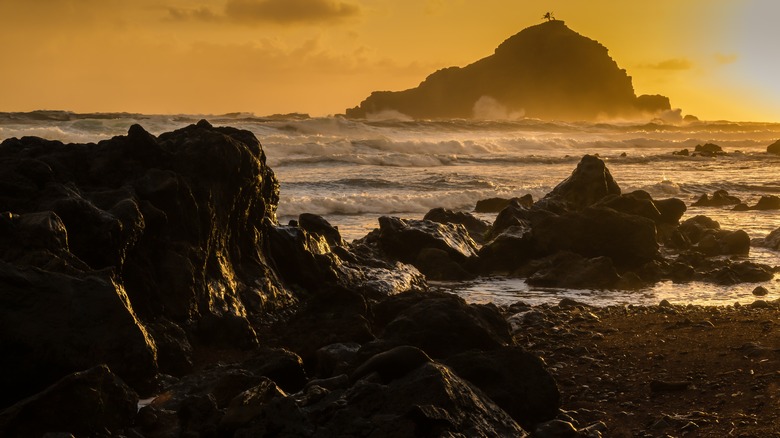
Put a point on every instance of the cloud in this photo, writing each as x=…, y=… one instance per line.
x=724, y=59
x=670, y=64
x=271, y=11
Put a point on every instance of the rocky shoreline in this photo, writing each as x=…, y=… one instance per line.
x=152, y=270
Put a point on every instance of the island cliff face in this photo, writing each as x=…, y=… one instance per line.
x=546, y=71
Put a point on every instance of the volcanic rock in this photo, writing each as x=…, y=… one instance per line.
x=774, y=148
x=546, y=71
x=719, y=199
x=86, y=403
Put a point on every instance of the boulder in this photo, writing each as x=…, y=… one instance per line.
x=495, y=205
x=719, y=199
x=427, y=400
x=515, y=380
x=477, y=228
x=570, y=270
x=405, y=240
x=709, y=150
x=86, y=403
x=509, y=250
x=589, y=183
x=440, y=324
x=769, y=202
x=771, y=241
x=54, y=324
x=629, y=240
x=671, y=210
x=774, y=148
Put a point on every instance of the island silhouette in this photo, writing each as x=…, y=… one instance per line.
x=546, y=71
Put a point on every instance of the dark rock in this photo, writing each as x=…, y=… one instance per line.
x=684, y=153
x=477, y=228
x=769, y=202
x=508, y=251
x=436, y=264
x=282, y=366
x=772, y=240
x=317, y=225
x=709, y=149
x=220, y=382
x=514, y=379
x=440, y=324
x=589, y=182
x=86, y=403
x=719, y=199
x=174, y=352
x=628, y=240
x=741, y=272
x=249, y=405
x=546, y=71
x=430, y=400
x=671, y=210
x=54, y=324
x=569, y=270
x=637, y=203
x=495, y=205
x=697, y=227
x=774, y=148
x=334, y=359
x=392, y=364
x=329, y=317
x=555, y=429
x=405, y=239
x=741, y=207
x=760, y=291
x=199, y=416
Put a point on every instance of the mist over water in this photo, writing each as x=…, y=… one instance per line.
x=351, y=172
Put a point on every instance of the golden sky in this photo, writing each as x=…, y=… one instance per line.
x=717, y=59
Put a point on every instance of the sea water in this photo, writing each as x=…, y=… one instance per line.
x=351, y=172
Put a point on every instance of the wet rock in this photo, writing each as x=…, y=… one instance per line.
x=724, y=242
x=331, y=316
x=769, y=202
x=249, y=405
x=683, y=152
x=509, y=250
x=430, y=400
x=555, y=429
x=495, y=205
x=741, y=272
x=392, y=364
x=671, y=210
x=317, y=225
x=517, y=381
x=405, y=239
x=54, y=324
x=772, y=240
x=774, y=148
x=477, y=228
x=282, y=366
x=440, y=324
x=597, y=231
x=638, y=203
x=570, y=270
x=760, y=291
x=709, y=150
x=719, y=199
x=85, y=403
x=589, y=182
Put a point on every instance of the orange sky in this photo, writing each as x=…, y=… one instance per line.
x=716, y=59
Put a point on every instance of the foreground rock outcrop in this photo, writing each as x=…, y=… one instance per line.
x=546, y=71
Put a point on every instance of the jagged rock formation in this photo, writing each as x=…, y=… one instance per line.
x=546, y=71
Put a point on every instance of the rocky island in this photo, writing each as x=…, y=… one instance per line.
x=148, y=290
x=547, y=71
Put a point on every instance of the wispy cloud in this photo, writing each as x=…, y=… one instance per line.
x=725, y=59
x=282, y=12
x=670, y=64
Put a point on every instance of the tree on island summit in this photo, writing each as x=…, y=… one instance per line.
x=549, y=16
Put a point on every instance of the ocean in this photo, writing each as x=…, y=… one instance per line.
x=351, y=172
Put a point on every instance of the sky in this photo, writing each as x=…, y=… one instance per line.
x=716, y=59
